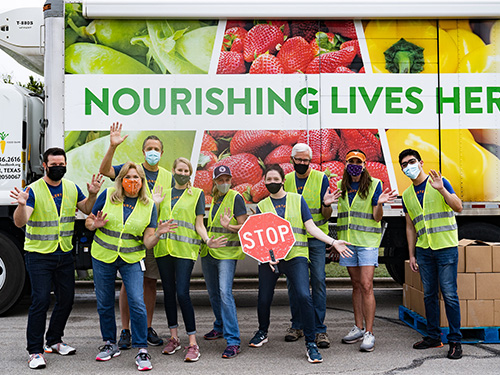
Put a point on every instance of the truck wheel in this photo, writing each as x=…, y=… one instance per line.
x=479, y=231
x=396, y=262
x=12, y=273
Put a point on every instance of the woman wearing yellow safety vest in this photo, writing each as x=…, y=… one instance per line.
x=227, y=214
x=176, y=253
x=126, y=224
x=292, y=207
x=360, y=210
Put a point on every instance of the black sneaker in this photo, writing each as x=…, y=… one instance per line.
x=125, y=339
x=427, y=343
x=153, y=338
x=455, y=351
x=259, y=339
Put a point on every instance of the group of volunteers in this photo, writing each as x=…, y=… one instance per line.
x=150, y=225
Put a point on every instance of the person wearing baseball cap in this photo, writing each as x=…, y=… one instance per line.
x=226, y=216
x=359, y=214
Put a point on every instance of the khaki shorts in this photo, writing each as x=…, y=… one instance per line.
x=151, y=266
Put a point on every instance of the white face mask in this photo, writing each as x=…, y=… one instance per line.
x=223, y=188
x=412, y=170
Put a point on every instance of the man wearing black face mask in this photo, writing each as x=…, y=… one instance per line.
x=47, y=207
x=313, y=185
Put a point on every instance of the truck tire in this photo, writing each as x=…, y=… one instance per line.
x=12, y=273
x=479, y=231
x=396, y=263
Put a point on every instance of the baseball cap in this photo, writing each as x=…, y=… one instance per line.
x=221, y=170
x=355, y=154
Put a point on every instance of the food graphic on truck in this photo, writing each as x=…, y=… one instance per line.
x=233, y=87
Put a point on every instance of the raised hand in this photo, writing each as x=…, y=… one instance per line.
x=168, y=226
x=330, y=197
x=99, y=219
x=95, y=184
x=225, y=218
x=216, y=242
x=158, y=195
x=20, y=197
x=436, y=180
x=341, y=247
x=387, y=196
x=115, y=137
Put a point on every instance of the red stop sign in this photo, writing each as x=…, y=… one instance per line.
x=264, y=232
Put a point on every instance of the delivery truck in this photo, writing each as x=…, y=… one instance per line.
x=239, y=83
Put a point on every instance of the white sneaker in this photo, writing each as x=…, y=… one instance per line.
x=143, y=360
x=61, y=348
x=368, y=343
x=37, y=361
x=354, y=335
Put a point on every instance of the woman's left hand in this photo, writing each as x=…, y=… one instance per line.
x=387, y=196
x=330, y=198
x=168, y=226
x=341, y=247
x=95, y=184
x=226, y=217
x=214, y=243
x=158, y=195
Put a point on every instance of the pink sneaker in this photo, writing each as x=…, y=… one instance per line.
x=172, y=346
x=193, y=353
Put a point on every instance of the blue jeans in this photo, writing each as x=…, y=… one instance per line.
x=104, y=282
x=297, y=272
x=317, y=254
x=175, y=279
x=219, y=276
x=438, y=269
x=45, y=271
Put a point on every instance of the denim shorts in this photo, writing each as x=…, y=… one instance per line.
x=363, y=256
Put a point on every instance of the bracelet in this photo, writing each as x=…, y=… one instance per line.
x=325, y=205
x=333, y=243
x=156, y=234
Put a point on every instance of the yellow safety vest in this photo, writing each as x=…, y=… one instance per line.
x=118, y=239
x=185, y=242
x=232, y=250
x=164, y=179
x=355, y=223
x=312, y=196
x=46, y=230
x=435, y=223
x=294, y=215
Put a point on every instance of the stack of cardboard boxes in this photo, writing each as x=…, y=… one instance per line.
x=478, y=286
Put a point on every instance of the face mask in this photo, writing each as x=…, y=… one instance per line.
x=131, y=187
x=152, y=157
x=300, y=168
x=55, y=173
x=412, y=171
x=181, y=179
x=274, y=187
x=354, y=169
x=223, y=188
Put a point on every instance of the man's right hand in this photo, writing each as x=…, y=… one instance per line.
x=115, y=137
x=20, y=197
x=413, y=264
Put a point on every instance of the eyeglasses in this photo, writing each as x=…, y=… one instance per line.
x=302, y=161
x=411, y=161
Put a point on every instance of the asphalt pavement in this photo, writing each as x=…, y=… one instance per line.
x=393, y=349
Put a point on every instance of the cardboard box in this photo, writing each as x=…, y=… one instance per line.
x=408, y=273
x=406, y=296
x=466, y=286
x=478, y=255
x=496, y=307
x=461, y=259
x=488, y=285
x=480, y=313
x=443, y=321
x=496, y=258
x=417, y=301
x=417, y=281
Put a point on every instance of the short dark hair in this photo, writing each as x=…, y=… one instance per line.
x=54, y=151
x=154, y=138
x=274, y=167
x=409, y=152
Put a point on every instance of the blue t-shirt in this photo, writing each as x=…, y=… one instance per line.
x=280, y=206
x=420, y=190
x=56, y=192
x=128, y=207
x=200, y=206
x=301, y=182
x=355, y=187
x=150, y=176
x=239, y=207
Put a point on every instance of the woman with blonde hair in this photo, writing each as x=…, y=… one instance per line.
x=176, y=253
x=126, y=224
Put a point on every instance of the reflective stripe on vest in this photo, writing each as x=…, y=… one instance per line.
x=355, y=222
x=232, y=250
x=47, y=229
x=312, y=196
x=118, y=239
x=293, y=214
x=435, y=223
x=185, y=242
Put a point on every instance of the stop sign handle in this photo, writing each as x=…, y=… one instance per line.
x=273, y=259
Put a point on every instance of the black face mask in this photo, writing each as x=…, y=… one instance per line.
x=181, y=179
x=300, y=168
x=56, y=172
x=274, y=187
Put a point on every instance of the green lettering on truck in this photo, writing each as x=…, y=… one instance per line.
x=285, y=104
x=102, y=104
x=246, y=100
x=419, y=106
x=219, y=105
x=313, y=104
x=490, y=99
x=135, y=98
x=335, y=101
x=454, y=99
x=161, y=102
x=370, y=102
x=181, y=102
x=390, y=100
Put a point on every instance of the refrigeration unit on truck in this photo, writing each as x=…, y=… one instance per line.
x=240, y=83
